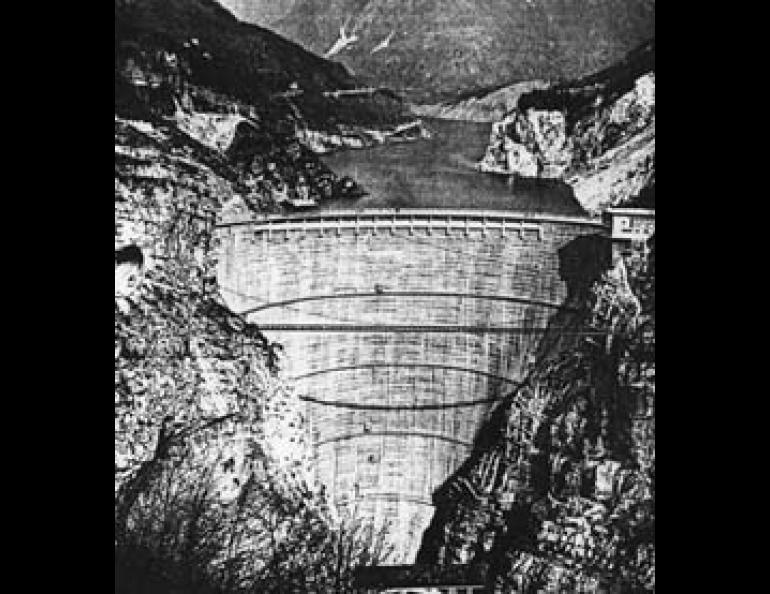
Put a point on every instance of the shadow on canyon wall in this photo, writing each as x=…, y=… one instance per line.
x=461, y=502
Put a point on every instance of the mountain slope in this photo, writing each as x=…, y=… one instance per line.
x=198, y=42
x=440, y=47
x=190, y=144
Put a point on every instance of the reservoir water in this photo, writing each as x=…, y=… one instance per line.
x=439, y=173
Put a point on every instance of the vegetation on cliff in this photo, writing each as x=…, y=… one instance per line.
x=559, y=492
x=183, y=538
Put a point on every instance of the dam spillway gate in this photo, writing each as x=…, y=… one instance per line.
x=400, y=329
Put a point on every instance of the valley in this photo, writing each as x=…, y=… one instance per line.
x=385, y=296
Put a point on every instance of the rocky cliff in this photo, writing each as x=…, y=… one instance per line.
x=189, y=373
x=212, y=468
x=188, y=144
x=597, y=133
x=559, y=493
x=243, y=97
x=434, y=49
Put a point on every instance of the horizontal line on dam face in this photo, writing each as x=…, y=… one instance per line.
x=386, y=496
x=391, y=407
x=422, y=329
x=359, y=295
x=383, y=365
x=422, y=434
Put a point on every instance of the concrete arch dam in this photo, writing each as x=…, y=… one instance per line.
x=400, y=329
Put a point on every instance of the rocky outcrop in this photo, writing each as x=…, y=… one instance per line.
x=214, y=480
x=559, y=493
x=619, y=174
x=598, y=134
x=214, y=130
x=189, y=373
x=530, y=144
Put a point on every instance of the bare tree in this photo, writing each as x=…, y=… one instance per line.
x=275, y=536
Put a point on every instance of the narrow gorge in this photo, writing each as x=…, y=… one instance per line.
x=374, y=341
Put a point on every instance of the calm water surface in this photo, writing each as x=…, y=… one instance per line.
x=439, y=173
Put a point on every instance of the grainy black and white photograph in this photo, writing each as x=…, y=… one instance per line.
x=384, y=296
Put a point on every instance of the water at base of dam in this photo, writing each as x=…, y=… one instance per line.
x=440, y=173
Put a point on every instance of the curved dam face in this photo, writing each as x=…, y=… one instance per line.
x=400, y=330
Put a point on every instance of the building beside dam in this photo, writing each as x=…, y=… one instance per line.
x=629, y=229
x=401, y=328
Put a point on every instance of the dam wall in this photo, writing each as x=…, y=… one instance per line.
x=400, y=328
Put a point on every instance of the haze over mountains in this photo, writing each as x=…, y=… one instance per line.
x=439, y=47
